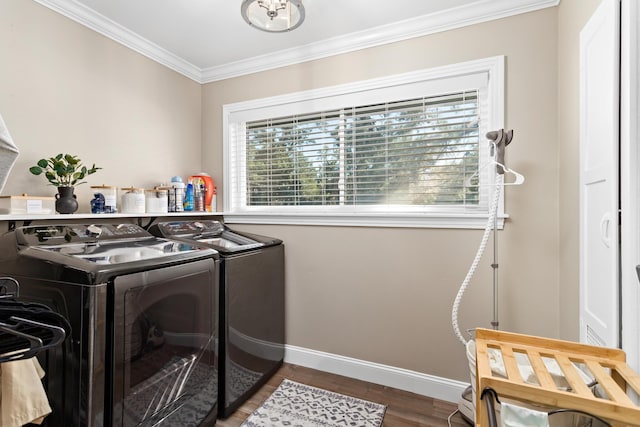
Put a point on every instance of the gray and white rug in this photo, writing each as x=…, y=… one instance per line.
x=298, y=405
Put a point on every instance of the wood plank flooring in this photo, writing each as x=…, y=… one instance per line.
x=403, y=408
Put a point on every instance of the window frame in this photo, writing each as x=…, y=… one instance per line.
x=369, y=216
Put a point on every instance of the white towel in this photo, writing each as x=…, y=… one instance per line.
x=23, y=399
x=518, y=416
x=8, y=153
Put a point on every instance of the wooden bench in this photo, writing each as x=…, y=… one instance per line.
x=608, y=366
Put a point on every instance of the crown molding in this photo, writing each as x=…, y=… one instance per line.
x=476, y=13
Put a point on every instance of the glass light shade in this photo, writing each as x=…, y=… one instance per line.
x=274, y=16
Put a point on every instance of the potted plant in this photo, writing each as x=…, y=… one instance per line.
x=64, y=171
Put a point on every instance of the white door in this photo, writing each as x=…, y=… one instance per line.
x=599, y=146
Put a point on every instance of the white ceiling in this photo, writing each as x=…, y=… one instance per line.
x=208, y=40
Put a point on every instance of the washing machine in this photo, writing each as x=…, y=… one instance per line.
x=252, y=304
x=143, y=316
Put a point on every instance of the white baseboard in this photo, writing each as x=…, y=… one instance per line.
x=403, y=379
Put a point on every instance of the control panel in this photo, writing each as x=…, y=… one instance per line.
x=39, y=235
x=191, y=228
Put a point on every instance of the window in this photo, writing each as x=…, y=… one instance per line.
x=400, y=151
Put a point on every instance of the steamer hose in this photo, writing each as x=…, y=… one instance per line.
x=493, y=210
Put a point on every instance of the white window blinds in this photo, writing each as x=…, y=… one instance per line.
x=417, y=152
x=403, y=148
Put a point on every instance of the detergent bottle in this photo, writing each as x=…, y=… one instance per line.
x=209, y=190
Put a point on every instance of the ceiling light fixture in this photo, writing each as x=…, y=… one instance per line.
x=274, y=16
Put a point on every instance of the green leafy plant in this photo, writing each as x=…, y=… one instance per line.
x=63, y=170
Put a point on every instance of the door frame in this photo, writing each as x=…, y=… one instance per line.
x=630, y=181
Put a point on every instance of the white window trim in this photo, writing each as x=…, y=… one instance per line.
x=465, y=218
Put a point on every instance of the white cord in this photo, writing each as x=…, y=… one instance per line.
x=493, y=210
x=451, y=416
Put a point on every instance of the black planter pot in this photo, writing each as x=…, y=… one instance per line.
x=66, y=202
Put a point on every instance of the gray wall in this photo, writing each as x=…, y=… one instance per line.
x=65, y=88
x=378, y=294
x=385, y=294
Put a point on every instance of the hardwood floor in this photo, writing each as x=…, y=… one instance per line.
x=403, y=408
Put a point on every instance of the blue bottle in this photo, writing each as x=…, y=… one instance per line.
x=188, y=198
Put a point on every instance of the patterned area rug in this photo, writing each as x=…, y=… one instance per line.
x=298, y=405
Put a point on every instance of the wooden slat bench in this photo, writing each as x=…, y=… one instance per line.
x=608, y=366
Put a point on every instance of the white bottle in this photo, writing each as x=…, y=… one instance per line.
x=178, y=189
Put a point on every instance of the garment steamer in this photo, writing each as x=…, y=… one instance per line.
x=498, y=141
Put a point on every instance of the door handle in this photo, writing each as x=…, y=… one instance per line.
x=604, y=229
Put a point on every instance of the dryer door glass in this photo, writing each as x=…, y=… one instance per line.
x=164, y=342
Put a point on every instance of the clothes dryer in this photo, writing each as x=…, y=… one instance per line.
x=143, y=314
x=252, y=304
